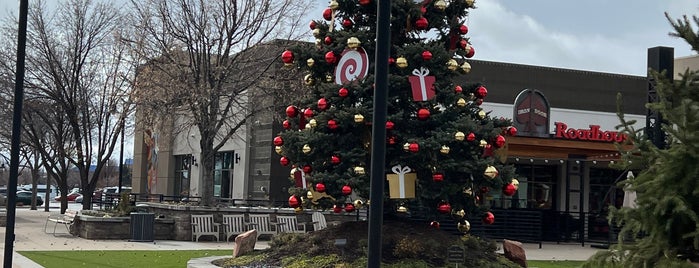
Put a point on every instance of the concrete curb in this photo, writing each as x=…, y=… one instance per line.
x=204, y=262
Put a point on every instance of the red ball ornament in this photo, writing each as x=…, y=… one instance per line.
x=322, y=104
x=307, y=169
x=294, y=201
x=337, y=209
x=463, y=43
x=328, y=40
x=349, y=207
x=463, y=29
x=423, y=114
x=426, y=55
x=489, y=218
x=509, y=189
x=335, y=159
x=414, y=147
x=421, y=23
x=288, y=56
x=320, y=187
x=278, y=141
x=481, y=92
x=458, y=89
x=479, y=101
x=328, y=14
x=292, y=111
x=471, y=137
x=346, y=190
x=512, y=131
x=434, y=224
x=423, y=9
x=499, y=141
x=438, y=177
x=308, y=113
x=444, y=208
x=343, y=92
x=284, y=161
x=332, y=124
x=390, y=125
x=392, y=140
x=391, y=61
x=471, y=52
x=286, y=124
x=364, y=2
x=330, y=57
x=312, y=25
x=347, y=23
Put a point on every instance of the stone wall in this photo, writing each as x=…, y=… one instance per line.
x=90, y=227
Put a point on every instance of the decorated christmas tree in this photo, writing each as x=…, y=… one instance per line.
x=442, y=149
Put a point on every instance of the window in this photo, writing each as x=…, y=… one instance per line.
x=182, y=174
x=537, y=188
x=223, y=171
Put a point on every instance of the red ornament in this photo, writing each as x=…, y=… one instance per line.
x=347, y=23
x=320, y=187
x=312, y=25
x=499, y=141
x=479, y=101
x=346, y=190
x=322, y=104
x=286, y=124
x=434, y=224
x=337, y=209
x=463, y=29
x=390, y=125
x=414, y=147
x=343, y=92
x=294, y=201
x=444, y=208
x=485, y=189
x=426, y=55
x=471, y=137
x=421, y=23
x=438, y=177
x=489, y=218
x=332, y=124
x=292, y=111
x=307, y=169
x=278, y=141
x=335, y=159
x=328, y=40
x=308, y=113
x=284, y=161
x=392, y=140
x=391, y=61
x=423, y=114
x=488, y=150
x=328, y=14
x=471, y=52
x=509, y=189
x=481, y=92
x=512, y=131
x=364, y=2
x=288, y=56
x=458, y=89
x=423, y=9
x=349, y=207
x=463, y=43
x=330, y=57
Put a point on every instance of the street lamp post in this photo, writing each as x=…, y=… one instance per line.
x=121, y=159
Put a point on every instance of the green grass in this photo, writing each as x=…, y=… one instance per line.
x=554, y=264
x=119, y=258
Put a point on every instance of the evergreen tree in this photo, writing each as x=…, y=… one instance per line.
x=663, y=229
x=445, y=138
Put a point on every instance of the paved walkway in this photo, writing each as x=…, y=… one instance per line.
x=29, y=235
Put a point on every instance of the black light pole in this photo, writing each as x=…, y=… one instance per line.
x=16, y=130
x=121, y=159
x=378, y=136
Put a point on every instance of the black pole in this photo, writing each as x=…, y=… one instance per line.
x=16, y=128
x=378, y=136
x=121, y=160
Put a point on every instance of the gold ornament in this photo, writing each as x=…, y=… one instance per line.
x=309, y=195
x=515, y=183
x=461, y=102
x=481, y=114
x=468, y=191
x=402, y=209
x=466, y=67
x=460, y=213
x=463, y=226
x=470, y=3
x=310, y=62
x=306, y=149
x=441, y=5
x=312, y=123
x=328, y=78
x=406, y=146
x=401, y=62
x=309, y=80
x=471, y=96
x=278, y=149
x=298, y=209
x=353, y=42
x=491, y=172
x=359, y=170
x=316, y=34
x=452, y=65
x=483, y=143
x=333, y=5
x=358, y=204
x=308, y=125
x=459, y=136
x=358, y=118
x=445, y=149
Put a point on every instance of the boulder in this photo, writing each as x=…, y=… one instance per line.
x=245, y=243
x=514, y=252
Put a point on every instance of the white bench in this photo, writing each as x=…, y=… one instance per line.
x=66, y=219
x=289, y=224
x=233, y=225
x=204, y=225
x=261, y=223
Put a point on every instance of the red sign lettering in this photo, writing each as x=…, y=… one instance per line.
x=591, y=134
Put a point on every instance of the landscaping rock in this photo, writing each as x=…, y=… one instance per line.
x=514, y=252
x=245, y=243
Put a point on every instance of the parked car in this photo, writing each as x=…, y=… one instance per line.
x=25, y=198
x=71, y=197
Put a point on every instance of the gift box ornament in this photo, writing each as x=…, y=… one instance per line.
x=422, y=84
x=401, y=184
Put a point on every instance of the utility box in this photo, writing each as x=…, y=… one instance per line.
x=142, y=227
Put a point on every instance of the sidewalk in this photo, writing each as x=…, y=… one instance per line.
x=29, y=236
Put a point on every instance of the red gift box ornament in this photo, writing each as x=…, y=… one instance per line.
x=422, y=85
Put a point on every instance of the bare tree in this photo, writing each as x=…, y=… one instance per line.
x=203, y=60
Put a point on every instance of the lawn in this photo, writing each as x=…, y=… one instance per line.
x=554, y=264
x=119, y=258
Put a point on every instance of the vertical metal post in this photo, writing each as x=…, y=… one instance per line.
x=16, y=131
x=121, y=159
x=378, y=137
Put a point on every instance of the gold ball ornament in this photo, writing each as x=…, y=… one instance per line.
x=306, y=149
x=452, y=65
x=316, y=33
x=298, y=210
x=460, y=213
x=358, y=118
x=461, y=102
x=401, y=62
x=312, y=123
x=445, y=149
x=402, y=209
x=483, y=143
x=459, y=136
x=359, y=170
x=441, y=5
x=358, y=204
x=515, y=183
x=481, y=114
x=310, y=62
x=278, y=150
x=328, y=78
x=468, y=191
x=309, y=195
x=333, y=5
x=309, y=80
x=470, y=2
x=406, y=146
x=353, y=42
x=491, y=172
x=463, y=226
x=466, y=67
